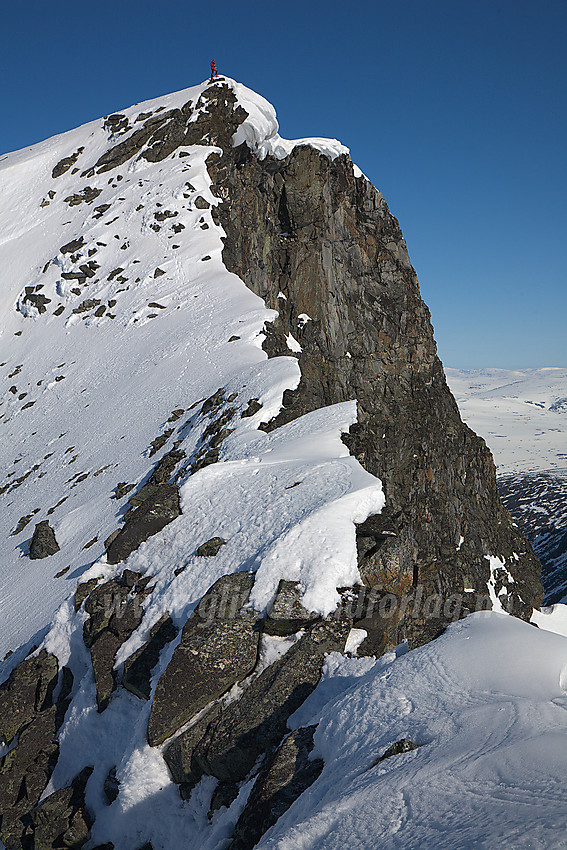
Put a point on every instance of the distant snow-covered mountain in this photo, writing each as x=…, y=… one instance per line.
x=522, y=414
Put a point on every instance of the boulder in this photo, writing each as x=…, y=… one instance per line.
x=148, y=519
x=210, y=548
x=218, y=647
x=402, y=746
x=286, y=614
x=43, y=543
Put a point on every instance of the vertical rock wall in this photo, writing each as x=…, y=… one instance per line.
x=321, y=246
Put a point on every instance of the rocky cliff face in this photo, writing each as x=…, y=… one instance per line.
x=321, y=246
x=199, y=693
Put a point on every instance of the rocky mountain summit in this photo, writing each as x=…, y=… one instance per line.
x=221, y=333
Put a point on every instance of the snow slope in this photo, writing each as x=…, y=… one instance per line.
x=486, y=704
x=84, y=395
x=522, y=414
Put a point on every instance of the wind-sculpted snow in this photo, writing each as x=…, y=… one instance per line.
x=260, y=130
x=486, y=706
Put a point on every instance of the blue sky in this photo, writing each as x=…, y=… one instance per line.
x=455, y=109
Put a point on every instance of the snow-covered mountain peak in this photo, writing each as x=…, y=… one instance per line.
x=118, y=318
x=213, y=353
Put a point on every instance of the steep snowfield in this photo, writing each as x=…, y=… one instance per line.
x=85, y=395
x=522, y=414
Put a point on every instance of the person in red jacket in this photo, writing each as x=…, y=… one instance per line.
x=213, y=71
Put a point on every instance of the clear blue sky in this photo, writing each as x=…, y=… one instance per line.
x=455, y=109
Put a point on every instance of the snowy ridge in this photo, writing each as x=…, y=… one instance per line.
x=155, y=351
x=113, y=352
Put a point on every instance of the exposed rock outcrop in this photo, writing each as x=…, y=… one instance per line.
x=307, y=227
x=258, y=720
x=283, y=778
x=218, y=647
x=43, y=543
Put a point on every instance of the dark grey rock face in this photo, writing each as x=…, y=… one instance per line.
x=138, y=668
x=62, y=819
x=284, y=777
x=286, y=614
x=155, y=512
x=306, y=226
x=24, y=774
x=257, y=721
x=43, y=543
x=218, y=647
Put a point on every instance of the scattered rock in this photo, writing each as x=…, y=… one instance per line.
x=160, y=441
x=210, y=547
x=73, y=246
x=122, y=488
x=114, y=615
x=66, y=163
x=43, y=543
x=87, y=304
x=86, y=195
x=83, y=591
x=24, y=774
